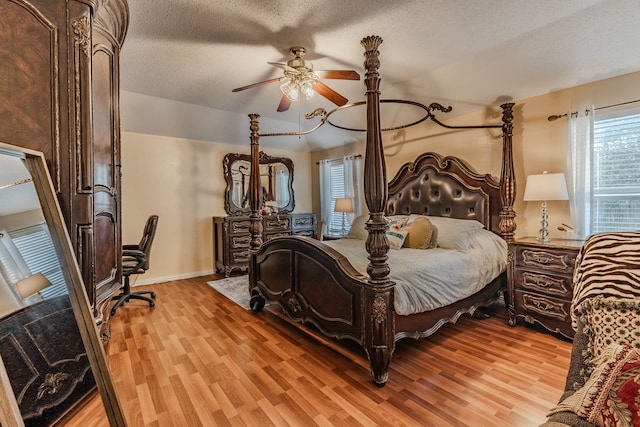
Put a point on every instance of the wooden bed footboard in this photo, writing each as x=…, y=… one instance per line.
x=314, y=284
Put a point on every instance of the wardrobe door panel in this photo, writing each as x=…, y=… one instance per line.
x=105, y=168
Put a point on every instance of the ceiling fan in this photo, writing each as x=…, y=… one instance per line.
x=300, y=79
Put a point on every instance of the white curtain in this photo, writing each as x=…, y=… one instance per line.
x=325, y=195
x=353, y=185
x=579, y=150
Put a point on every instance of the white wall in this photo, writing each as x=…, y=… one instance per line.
x=182, y=181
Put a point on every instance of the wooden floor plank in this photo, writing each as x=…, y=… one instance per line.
x=197, y=358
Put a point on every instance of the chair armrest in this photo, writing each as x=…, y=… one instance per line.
x=139, y=255
x=130, y=247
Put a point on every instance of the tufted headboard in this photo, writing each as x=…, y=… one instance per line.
x=436, y=186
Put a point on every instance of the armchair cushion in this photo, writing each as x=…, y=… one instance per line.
x=608, y=321
x=611, y=395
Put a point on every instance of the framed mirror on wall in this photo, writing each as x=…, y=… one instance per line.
x=52, y=359
x=276, y=181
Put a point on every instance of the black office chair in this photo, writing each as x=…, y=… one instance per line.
x=135, y=260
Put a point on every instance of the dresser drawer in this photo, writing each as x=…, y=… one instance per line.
x=276, y=223
x=547, y=259
x=550, y=284
x=303, y=221
x=270, y=236
x=239, y=257
x=542, y=305
x=239, y=226
x=240, y=241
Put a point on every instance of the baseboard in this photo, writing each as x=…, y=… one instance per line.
x=141, y=281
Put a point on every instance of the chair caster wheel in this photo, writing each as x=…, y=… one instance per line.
x=256, y=303
x=152, y=304
x=153, y=295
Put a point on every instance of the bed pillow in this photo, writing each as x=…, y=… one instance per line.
x=611, y=395
x=453, y=233
x=420, y=231
x=358, y=230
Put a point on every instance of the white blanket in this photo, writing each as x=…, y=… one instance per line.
x=427, y=279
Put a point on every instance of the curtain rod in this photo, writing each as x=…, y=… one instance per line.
x=356, y=156
x=575, y=114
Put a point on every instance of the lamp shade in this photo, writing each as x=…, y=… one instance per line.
x=32, y=285
x=546, y=186
x=343, y=204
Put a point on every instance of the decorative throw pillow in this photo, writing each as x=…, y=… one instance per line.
x=611, y=395
x=420, y=232
x=609, y=321
x=396, y=238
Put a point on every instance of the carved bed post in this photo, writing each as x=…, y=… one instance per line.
x=507, y=178
x=254, y=187
x=380, y=341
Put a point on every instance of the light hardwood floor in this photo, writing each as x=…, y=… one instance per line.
x=198, y=359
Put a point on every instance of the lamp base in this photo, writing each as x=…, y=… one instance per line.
x=543, y=234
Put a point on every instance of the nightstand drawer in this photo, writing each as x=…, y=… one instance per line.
x=542, y=305
x=557, y=260
x=551, y=284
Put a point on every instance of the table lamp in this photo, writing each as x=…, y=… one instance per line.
x=344, y=205
x=32, y=285
x=545, y=187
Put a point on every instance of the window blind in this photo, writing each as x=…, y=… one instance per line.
x=616, y=171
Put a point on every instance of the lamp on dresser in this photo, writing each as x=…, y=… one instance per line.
x=344, y=205
x=545, y=187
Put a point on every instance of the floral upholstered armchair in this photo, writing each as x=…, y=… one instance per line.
x=603, y=382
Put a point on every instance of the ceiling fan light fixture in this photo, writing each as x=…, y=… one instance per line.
x=307, y=89
x=290, y=89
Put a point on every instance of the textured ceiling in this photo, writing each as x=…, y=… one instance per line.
x=464, y=53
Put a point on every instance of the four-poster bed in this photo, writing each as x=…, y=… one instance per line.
x=315, y=284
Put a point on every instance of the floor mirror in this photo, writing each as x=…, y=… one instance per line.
x=52, y=360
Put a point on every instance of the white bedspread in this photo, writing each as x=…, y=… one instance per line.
x=427, y=279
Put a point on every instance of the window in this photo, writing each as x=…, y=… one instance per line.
x=339, y=178
x=615, y=171
x=336, y=170
x=31, y=250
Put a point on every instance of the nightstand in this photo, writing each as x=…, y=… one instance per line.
x=540, y=282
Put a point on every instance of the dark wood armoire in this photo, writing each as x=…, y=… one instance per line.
x=59, y=94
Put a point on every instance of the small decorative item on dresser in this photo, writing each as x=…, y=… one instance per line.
x=540, y=284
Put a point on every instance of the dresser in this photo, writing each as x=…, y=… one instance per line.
x=540, y=283
x=231, y=236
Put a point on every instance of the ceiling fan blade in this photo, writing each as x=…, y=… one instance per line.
x=284, y=105
x=338, y=74
x=330, y=94
x=278, y=64
x=238, y=89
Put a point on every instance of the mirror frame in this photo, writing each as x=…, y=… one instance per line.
x=36, y=164
x=264, y=159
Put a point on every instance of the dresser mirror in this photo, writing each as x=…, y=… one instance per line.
x=51, y=357
x=276, y=179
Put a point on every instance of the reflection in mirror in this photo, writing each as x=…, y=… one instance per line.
x=276, y=179
x=49, y=346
